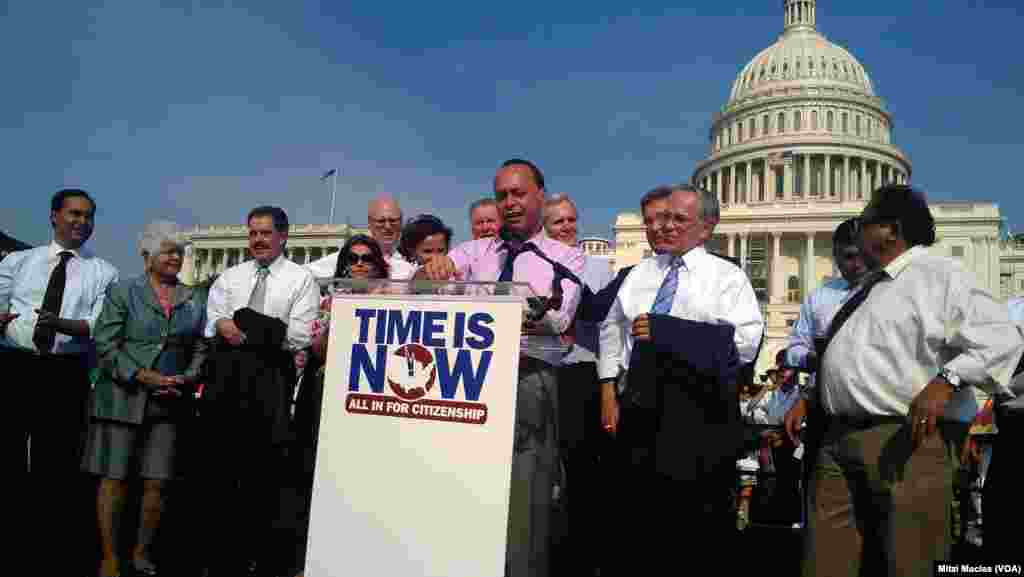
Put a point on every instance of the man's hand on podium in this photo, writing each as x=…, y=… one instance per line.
x=438, y=267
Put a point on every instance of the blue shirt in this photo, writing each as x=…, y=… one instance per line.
x=816, y=314
x=24, y=276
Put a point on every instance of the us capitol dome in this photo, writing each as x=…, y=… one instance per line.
x=797, y=149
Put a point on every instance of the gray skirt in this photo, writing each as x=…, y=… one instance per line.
x=116, y=450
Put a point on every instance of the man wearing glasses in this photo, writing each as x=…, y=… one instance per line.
x=384, y=218
x=671, y=350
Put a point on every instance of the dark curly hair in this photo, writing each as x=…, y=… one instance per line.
x=905, y=207
x=418, y=229
x=342, y=269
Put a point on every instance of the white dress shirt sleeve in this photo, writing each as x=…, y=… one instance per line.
x=218, y=305
x=304, y=311
x=108, y=277
x=611, y=340
x=979, y=327
x=744, y=313
x=324, y=267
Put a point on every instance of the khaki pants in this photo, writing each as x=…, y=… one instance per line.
x=877, y=505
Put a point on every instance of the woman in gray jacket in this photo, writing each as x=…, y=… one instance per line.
x=149, y=338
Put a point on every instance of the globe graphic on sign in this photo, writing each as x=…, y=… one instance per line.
x=411, y=371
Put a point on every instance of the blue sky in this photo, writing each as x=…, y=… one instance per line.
x=199, y=111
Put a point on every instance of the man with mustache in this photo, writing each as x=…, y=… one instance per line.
x=260, y=313
x=524, y=254
x=384, y=218
x=50, y=299
x=484, y=218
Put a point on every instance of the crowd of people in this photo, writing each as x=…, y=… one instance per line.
x=644, y=415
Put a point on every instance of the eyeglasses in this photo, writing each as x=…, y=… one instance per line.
x=354, y=258
x=662, y=219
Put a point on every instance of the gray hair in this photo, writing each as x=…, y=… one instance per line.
x=710, y=211
x=556, y=199
x=155, y=234
x=480, y=203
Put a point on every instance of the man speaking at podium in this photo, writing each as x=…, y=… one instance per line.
x=522, y=253
x=671, y=350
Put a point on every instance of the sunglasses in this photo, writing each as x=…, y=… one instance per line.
x=354, y=258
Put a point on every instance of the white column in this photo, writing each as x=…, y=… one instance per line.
x=787, y=178
x=743, y=250
x=718, y=184
x=777, y=282
x=810, y=274
x=847, y=191
x=749, y=191
x=862, y=184
x=827, y=192
x=730, y=240
x=980, y=259
x=993, y=255
x=806, y=183
x=734, y=182
x=878, y=175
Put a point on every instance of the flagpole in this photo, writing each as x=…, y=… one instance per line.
x=334, y=193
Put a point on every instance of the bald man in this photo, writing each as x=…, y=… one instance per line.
x=384, y=217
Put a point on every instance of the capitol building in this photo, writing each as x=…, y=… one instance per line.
x=798, y=148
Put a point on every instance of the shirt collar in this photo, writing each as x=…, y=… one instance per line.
x=690, y=258
x=274, y=267
x=900, y=263
x=55, y=249
x=541, y=237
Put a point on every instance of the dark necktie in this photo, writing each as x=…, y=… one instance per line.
x=513, y=254
x=45, y=337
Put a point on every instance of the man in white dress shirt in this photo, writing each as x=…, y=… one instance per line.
x=50, y=298
x=261, y=312
x=579, y=402
x=680, y=329
x=900, y=354
x=384, y=218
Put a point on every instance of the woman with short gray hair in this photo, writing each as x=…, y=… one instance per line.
x=149, y=338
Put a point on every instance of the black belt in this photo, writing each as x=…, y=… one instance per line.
x=863, y=421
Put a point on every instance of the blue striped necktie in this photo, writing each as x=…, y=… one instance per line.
x=667, y=292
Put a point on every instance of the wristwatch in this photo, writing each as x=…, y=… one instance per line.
x=952, y=378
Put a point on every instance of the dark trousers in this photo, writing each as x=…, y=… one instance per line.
x=243, y=469
x=583, y=443
x=49, y=418
x=660, y=521
x=1001, y=495
x=878, y=505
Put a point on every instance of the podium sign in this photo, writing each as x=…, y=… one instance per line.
x=415, y=449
